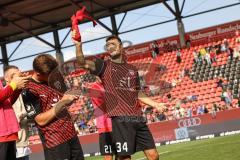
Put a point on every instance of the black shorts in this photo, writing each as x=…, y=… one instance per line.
x=131, y=134
x=70, y=150
x=8, y=150
x=106, y=144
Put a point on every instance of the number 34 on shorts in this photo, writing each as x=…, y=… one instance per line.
x=121, y=147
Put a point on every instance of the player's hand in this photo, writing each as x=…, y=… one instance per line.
x=20, y=82
x=77, y=43
x=161, y=106
x=68, y=99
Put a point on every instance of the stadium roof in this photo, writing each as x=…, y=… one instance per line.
x=22, y=19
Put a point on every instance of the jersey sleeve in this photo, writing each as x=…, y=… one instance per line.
x=100, y=67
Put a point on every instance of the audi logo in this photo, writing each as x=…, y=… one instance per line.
x=190, y=122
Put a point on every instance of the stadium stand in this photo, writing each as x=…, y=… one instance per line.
x=170, y=78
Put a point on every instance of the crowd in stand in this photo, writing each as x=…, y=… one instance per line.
x=205, y=55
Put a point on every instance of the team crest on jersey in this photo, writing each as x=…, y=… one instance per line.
x=131, y=72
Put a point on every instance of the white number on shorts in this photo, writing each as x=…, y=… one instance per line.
x=121, y=147
x=108, y=149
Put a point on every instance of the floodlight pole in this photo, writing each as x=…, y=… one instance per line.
x=59, y=54
x=4, y=54
x=180, y=25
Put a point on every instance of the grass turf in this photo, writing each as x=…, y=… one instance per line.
x=220, y=148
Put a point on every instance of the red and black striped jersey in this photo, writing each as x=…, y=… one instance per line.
x=121, y=84
x=39, y=98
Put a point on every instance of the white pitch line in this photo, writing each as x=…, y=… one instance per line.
x=158, y=154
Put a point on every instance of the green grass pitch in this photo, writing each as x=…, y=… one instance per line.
x=220, y=148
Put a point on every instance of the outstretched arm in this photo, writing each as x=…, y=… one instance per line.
x=146, y=100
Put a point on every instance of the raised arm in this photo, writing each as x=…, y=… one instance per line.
x=87, y=64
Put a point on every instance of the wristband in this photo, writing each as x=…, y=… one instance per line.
x=13, y=85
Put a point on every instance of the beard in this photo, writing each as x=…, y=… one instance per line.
x=115, y=55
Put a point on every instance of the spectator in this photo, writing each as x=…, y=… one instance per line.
x=161, y=116
x=214, y=110
x=200, y=110
x=9, y=126
x=162, y=68
x=194, y=111
x=178, y=54
x=218, y=49
x=226, y=44
x=194, y=98
x=186, y=72
x=176, y=113
x=178, y=103
x=213, y=56
x=220, y=83
x=182, y=112
x=195, y=55
x=155, y=49
x=236, y=53
x=223, y=48
x=191, y=98
x=200, y=58
x=175, y=82
x=203, y=52
x=205, y=109
x=237, y=37
x=169, y=96
x=227, y=97
x=208, y=58
x=182, y=74
x=189, y=112
x=230, y=52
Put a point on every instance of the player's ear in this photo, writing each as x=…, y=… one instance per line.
x=38, y=74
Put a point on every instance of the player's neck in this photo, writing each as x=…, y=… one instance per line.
x=119, y=59
x=36, y=78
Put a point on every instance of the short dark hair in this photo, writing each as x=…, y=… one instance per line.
x=44, y=64
x=114, y=37
x=6, y=68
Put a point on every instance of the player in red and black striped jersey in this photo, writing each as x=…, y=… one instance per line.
x=121, y=83
x=43, y=104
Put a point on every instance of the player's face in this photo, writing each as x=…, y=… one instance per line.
x=42, y=78
x=11, y=73
x=114, y=47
